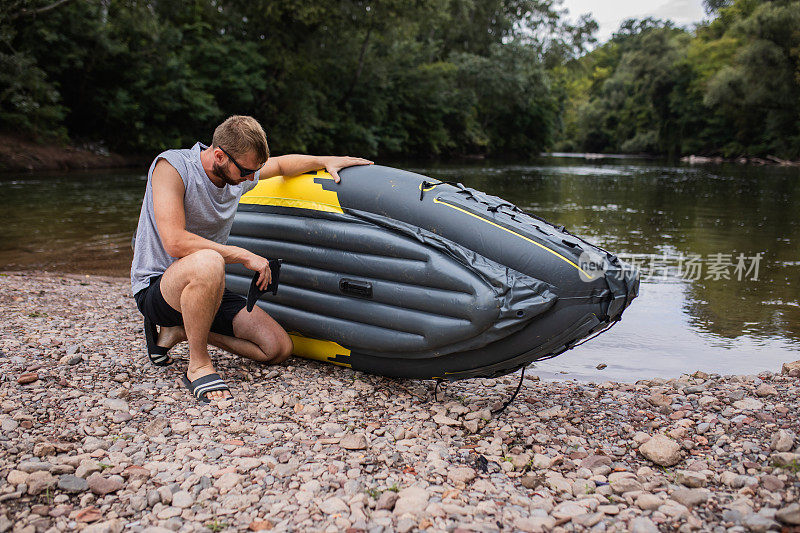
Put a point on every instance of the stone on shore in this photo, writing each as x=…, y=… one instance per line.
x=661, y=450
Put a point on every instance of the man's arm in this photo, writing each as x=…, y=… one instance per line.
x=294, y=164
x=168, y=191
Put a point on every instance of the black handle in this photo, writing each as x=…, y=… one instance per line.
x=362, y=289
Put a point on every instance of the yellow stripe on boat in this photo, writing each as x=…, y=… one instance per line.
x=301, y=192
x=319, y=350
x=589, y=276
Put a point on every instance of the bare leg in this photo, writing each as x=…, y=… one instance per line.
x=193, y=285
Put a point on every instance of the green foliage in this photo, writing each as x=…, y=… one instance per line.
x=731, y=88
x=383, y=77
x=391, y=77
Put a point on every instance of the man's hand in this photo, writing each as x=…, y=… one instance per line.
x=256, y=263
x=334, y=164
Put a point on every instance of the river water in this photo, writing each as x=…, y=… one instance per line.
x=718, y=247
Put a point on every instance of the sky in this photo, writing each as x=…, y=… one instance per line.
x=609, y=13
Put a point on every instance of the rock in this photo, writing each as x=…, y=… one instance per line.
x=588, y=519
x=461, y=475
x=86, y=468
x=765, y=390
x=784, y=459
x=643, y=525
x=648, y=502
x=40, y=481
x=411, y=500
x=789, y=514
x=601, y=366
x=535, y=524
x=228, y=481
x=626, y=484
x=182, y=499
x=782, y=440
x=181, y=427
x=551, y=412
x=354, y=442
x=691, y=479
x=116, y=404
x=748, y=404
x=91, y=444
x=28, y=378
x=17, y=477
x=661, y=450
x=72, y=484
x=787, y=368
x=593, y=461
x=444, y=420
x=101, y=485
x=34, y=466
x=260, y=525
x=771, y=483
x=660, y=400
x=387, y=500
x=334, y=505
x=155, y=427
x=43, y=449
x=109, y=526
x=759, y=524
x=530, y=482
x=689, y=497
x=568, y=510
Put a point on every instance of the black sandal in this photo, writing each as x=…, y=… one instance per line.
x=158, y=354
x=202, y=386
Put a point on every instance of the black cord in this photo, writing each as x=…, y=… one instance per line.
x=436, y=390
x=519, y=386
x=608, y=327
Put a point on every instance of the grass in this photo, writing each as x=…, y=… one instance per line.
x=216, y=525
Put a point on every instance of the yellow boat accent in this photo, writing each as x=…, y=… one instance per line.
x=300, y=192
x=437, y=201
x=319, y=350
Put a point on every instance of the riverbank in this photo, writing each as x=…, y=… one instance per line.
x=95, y=438
x=20, y=154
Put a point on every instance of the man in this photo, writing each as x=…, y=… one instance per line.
x=178, y=269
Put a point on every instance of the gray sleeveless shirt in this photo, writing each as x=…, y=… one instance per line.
x=209, y=213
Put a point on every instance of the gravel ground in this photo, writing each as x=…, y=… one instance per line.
x=94, y=438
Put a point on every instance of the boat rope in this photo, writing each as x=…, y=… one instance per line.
x=436, y=389
x=508, y=402
x=608, y=327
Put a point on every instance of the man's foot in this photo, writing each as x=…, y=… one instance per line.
x=193, y=375
x=169, y=337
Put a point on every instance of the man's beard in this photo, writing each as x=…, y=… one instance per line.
x=221, y=172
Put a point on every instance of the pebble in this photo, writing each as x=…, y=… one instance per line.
x=689, y=497
x=783, y=440
x=102, y=485
x=661, y=450
x=28, y=378
x=72, y=484
x=354, y=442
x=316, y=447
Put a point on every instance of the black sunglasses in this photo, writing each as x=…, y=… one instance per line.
x=243, y=171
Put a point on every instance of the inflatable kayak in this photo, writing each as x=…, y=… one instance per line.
x=394, y=273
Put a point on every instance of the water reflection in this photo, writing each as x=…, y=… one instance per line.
x=82, y=222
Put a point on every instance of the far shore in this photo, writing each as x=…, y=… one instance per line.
x=18, y=154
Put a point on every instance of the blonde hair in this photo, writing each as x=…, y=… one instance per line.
x=240, y=134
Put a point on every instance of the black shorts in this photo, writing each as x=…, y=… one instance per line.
x=154, y=307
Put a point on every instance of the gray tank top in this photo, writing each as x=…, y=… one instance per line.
x=209, y=213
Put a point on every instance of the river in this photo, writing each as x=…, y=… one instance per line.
x=718, y=247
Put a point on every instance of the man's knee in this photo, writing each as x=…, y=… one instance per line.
x=207, y=266
x=277, y=347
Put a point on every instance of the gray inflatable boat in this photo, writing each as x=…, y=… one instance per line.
x=398, y=274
